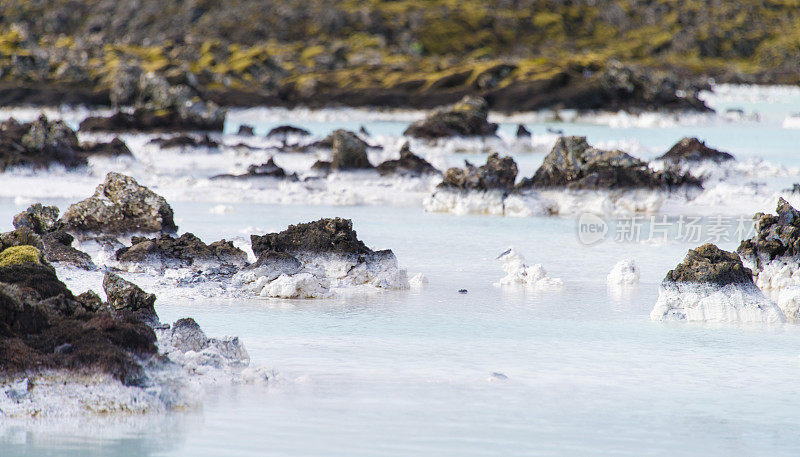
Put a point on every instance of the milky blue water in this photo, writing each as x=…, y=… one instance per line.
x=585, y=371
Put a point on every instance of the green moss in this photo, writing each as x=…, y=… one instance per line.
x=17, y=255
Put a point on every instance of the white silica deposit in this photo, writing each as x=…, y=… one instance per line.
x=779, y=279
x=705, y=302
x=530, y=203
x=323, y=275
x=624, y=273
x=518, y=273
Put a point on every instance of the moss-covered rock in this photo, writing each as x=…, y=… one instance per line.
x=18, y=255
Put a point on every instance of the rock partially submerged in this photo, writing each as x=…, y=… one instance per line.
x=694, y=150
x=349, y=151
x=475, y=190
x=776, y=235
x=523, y=132
x=312, y=260
x=62, y=354
x=408, y=164
x=161, y=105
x=625, y=273
x=712, y=285
x=43, y=326
x=267, y=169
x=42, y=143
x=245, y=130
x=468, y=117
x=519, y=273
x=42, y=221
x=114, y=148
x=185, y=141
x=151, y=120
x=283, y=131
x=499, y=173
x=773, y=254
x=120, y=205
x=574, y=164
x=187, y=250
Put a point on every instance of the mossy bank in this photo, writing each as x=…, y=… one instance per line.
x=523, y=54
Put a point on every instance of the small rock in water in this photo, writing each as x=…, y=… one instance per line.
x=418, y=281
x=624, y=273
x=468, y=117
x=498, y=377
x=245, y=130
x=518, y=273
x=462, y=291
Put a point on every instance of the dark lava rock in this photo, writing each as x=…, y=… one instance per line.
x=185, y=141
x=349, y=151
x=43, y=326
x=38, y=218
x=58, y=248
x=573, y=164
x=268, y=169
x=283, y=131
x=777, y=235
x=499, y=173
x=115, y=148
x=522, y=132
x=408, y=164
x=120, y=205
x=124, y=295
x=709, y=264
x=465, y=118
x=22, y=236
x=185, y=250
x=43, y=142
x=245, y=130
x=57, y=244
x=321, y=166
x=694, y=150
x=149, y=120
x=334, y=236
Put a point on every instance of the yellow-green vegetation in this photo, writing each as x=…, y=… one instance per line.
x=17, y=255
x=355, y=44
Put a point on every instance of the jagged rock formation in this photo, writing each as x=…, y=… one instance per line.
x=311, y=260
x=186, y=250
x=574, y=164
x=185, y=141
x=408, y=164
x=465, y=118
x=499, y=173
x=268, y=169
x=349, y=151
x=694, y=150
x=120, y=205
x=712, y=285
x=42, y=222
x=42, y=143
